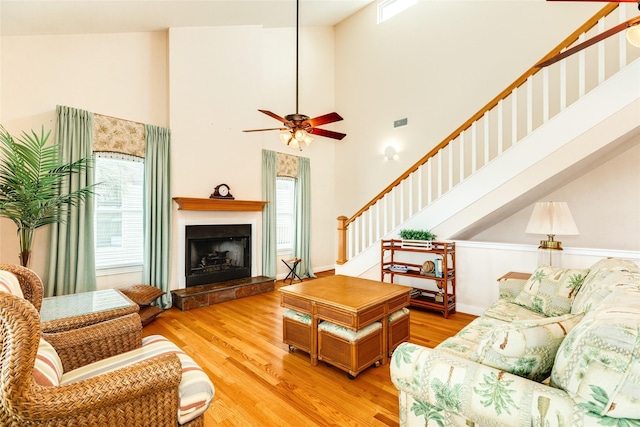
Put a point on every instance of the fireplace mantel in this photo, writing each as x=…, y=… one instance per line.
x=201, y=204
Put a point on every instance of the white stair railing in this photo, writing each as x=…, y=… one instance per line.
x=533, y=99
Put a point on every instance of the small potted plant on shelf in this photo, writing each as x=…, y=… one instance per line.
x=417, y=238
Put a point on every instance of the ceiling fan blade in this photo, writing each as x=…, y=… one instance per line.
x=577, y=48
x=327, y=133
x=260, y=130
x=323, y=120
x=275, y=116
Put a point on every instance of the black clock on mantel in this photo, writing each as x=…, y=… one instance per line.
x=221, y=192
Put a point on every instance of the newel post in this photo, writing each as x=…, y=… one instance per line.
x=342, y=240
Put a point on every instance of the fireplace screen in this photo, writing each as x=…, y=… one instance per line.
x=217, y=253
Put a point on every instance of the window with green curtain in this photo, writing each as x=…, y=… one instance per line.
x=118, y=213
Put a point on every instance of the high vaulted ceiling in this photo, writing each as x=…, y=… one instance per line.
x=31, y=17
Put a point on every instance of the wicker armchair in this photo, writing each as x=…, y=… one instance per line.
x=81, y=345
x=30, y=283
x=140, y=394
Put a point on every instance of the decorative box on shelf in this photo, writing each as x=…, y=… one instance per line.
x=419, y=244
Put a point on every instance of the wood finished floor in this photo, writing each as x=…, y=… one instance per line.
x=260, y=383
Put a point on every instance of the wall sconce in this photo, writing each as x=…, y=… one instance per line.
x=633, y=34
x=551, y=218
x=390, y=152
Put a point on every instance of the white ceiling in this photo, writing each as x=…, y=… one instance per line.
x=31, y=17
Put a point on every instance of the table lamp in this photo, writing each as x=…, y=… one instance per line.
x=551, y=218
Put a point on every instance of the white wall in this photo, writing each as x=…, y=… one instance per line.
x=206, y=84
x=217, y=86
x=121, y=75
x=604, y=202
x=436, y=64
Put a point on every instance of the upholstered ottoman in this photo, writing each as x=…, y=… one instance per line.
x=398, y=328
x=351, y=351
x=296, y=330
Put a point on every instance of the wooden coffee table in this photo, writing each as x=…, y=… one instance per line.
x=351, y=302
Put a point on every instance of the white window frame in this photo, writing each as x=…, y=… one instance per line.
x=387, y=9
x=135, y=264
x=290, y=198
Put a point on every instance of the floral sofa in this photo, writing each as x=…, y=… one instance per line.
x=559, y=349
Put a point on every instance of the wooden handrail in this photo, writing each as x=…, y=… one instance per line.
x=571, y=39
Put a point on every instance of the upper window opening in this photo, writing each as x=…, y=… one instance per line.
x=390, y=8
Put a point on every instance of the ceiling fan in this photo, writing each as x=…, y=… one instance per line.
x=632, y=26
x=299, y=126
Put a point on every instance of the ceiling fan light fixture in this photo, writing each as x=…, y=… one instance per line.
x=299, y=135
x=308, y=139
x=285, y=137
x=633, y=35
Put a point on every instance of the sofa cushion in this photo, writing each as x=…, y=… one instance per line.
x=604, y=277
x=47, y=370
x=510, y=312
x=526, y=348
x=598, y=363
x=551, y=290
x=465, y=342
x=195, y=390
x=9, y=283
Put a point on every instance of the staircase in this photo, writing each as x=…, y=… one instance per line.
x=544, y=128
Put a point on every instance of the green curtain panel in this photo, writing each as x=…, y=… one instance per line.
x=269, y=238
x=72, y=267
x=302, y=212
x=157, y=210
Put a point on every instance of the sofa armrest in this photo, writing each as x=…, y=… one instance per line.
x=434, y=384
x=510, y=288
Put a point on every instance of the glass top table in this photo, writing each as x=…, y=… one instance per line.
x=72, y=311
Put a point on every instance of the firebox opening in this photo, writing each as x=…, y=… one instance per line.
x=217, y=253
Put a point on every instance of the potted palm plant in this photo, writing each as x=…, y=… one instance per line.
x=32, y=194
x=417, y=238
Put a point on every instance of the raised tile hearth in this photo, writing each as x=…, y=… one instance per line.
x=206, y=295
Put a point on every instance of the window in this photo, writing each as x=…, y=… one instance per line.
x=284, y=213
x=390, y=8
x=118, y=212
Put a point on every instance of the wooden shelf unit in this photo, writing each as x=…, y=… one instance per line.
x=421, y=297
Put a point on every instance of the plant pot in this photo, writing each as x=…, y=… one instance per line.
x=421, y=244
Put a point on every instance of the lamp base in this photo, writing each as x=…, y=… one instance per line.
x=550, y=257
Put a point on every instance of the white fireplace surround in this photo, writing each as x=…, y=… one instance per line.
x=182, y=226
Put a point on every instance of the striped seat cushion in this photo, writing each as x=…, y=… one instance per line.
x=196, y=390
x=47, y=370
x=9, y=283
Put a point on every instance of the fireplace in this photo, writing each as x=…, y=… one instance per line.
x=217, y=253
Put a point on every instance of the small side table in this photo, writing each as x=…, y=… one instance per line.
x=66, y=312
x=292, y=264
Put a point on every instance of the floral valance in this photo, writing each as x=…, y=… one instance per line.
x=287, y=165
x=118, y=136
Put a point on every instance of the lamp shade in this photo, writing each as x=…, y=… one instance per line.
x=552, y=218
